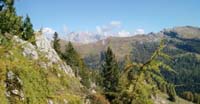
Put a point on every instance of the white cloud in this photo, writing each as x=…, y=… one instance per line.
x=139, y=31
x=123, y=33
x=109, y=27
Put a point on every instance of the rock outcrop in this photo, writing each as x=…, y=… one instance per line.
x=43, y=49
x=14, y=86
x=44, y=46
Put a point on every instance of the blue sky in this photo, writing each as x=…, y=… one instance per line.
x=82, y=15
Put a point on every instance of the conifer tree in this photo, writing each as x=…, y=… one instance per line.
x=56, y=44
x=10, y=22
x=110, y=72
x=28, y=32
x=73, y=59
x=71, y=56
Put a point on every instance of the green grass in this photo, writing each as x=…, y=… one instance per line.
x=39, y=84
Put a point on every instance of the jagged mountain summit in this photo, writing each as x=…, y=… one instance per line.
x=92, y=37
x=84, y=37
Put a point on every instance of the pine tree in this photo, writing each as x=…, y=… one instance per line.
x=10, y=22
x=71, y=56
x=56, y=44
x=28, y=32
x=110, y=72
x=73, y=59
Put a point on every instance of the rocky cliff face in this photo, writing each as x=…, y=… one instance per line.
x=43, y=49
x=44, y=46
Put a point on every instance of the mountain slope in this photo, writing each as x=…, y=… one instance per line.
x=122, y=45
x=36, y=75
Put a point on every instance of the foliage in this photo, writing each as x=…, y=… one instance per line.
x=171, y=92
x=71, y=56
x=73, y=59
x=56, y=44
x=28, y=32
x=188, y=95
x=98, y=99
x=139, y=87
x=10, y=22
x=194, y=97
x=110, y=74
x=3, y=40
x=197, y=98
x=186, y=64
x=13, y=24
x=142, y=52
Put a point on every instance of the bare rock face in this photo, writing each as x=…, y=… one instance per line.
x=43, y=45
x=43, y=49
x=29, y=50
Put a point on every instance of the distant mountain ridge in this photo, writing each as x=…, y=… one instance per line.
x=122, y=45
x=86, y=37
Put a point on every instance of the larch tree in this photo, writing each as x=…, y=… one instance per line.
x=139, y=88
